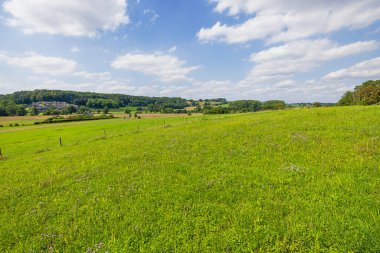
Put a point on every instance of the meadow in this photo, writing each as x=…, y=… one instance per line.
x=304, y=180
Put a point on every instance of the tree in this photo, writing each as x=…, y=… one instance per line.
x=55, y=112
x=347, y=98
x=368, y=93
x=71, y=109
x=11, y=109
x=317, y=104
x=198, y=108
x=3, y=111
x=34, y=111
x=245, y=106
x=127, y=111
x=83, y=109
x=106, y=110
x=217, y=110
x=274, y=105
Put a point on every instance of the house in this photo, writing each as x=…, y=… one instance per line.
x=43, y=106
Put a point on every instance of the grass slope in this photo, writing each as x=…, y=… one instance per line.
x=298, y=180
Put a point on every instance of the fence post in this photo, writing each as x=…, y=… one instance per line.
x=60, y=141
x=1, y=155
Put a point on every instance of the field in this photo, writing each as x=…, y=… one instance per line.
x=29, y=120
x=303, y=180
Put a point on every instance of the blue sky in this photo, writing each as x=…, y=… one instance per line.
x=294, y=50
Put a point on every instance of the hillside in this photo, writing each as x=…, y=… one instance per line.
x=296, y=180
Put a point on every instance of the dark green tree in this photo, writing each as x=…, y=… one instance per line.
x=347, y=98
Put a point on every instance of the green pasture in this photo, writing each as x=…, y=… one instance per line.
x=303, y=180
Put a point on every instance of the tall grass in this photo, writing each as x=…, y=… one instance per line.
x=298, y=180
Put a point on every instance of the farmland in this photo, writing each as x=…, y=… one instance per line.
x=282, y=181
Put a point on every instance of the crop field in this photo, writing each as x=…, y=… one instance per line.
x=304, y=180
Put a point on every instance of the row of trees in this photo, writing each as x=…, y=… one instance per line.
x=244, y=106
x=255, y=105
x=95, y=100
x=368, y=93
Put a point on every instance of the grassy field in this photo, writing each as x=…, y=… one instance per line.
x=299, y=180
x=29, y=120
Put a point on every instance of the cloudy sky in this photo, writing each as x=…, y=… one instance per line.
x=295, y=50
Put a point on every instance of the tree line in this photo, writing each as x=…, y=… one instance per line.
x=18, y=103
x=368, y=93
x=83, y=98
x=241, y=106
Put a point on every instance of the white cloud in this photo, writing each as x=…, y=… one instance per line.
x=166, y=67
x=365, y=69
x=286, y=89
x=153, y=15
x=286, y=20
x=68, y=17
x=40, y=64
x=75, y=49
x=301, y=56
x=102, y=76
x=172, y=49
x=198, y=89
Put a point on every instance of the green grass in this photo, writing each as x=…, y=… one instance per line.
x=299, y=180
x=6, y=123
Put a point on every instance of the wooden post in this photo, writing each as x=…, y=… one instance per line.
x=1, y=155
x=105, y=134
x=60, y=141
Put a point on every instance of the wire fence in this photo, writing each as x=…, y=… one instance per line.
x=61, y=137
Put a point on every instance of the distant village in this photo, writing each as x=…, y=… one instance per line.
x=44, y=106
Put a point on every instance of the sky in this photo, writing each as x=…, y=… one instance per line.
x=293, y=50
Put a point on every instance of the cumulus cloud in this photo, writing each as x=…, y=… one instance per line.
x=301, y=56
x=69, y=17
x=286, y=89
x=286, y=20
x=103, y=76
x=40, y=64
x=166, y=67
x=365, y=69
x=199, y=89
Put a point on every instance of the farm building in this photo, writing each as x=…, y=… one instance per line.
x=43, y=106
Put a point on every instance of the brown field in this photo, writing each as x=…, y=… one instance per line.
x=20, y=118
